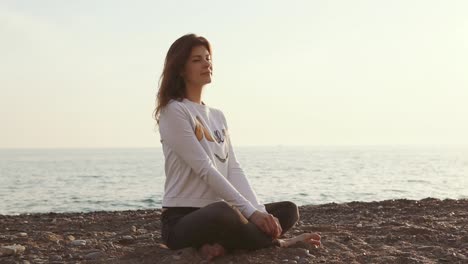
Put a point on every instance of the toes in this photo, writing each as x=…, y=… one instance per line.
x=218, y=250
x=211, y=251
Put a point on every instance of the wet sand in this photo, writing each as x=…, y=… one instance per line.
x=392, y=231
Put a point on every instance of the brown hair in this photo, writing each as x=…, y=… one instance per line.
x=171, y=83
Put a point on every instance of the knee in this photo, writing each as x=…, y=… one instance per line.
x=292, y=210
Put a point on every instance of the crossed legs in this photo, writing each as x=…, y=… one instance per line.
x=219, y=226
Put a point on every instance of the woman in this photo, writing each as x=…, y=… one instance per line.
x=208, y=202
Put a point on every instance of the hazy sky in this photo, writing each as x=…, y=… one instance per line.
x=85, y=73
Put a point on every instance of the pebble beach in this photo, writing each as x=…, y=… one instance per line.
x=391, y=231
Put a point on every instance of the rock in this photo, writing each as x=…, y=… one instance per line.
x=78, y=243
x=359, y=225
x=148, y=235
x=109, y=234
x=55, y=258
x=76, y=256
x=142, y=231
x=94, y=255
x=21, y=234
x=51, y=236
x=111, y=245
x=133, y=228
x=70, y=237
x=126, y=240
x=11, y=250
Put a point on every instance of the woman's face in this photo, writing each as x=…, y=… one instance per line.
x=198, y=68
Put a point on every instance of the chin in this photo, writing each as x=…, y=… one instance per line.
x=207, y=81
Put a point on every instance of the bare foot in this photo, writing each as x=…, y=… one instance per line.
x=311, y=238
x=210, y=251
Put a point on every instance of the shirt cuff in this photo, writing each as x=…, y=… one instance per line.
x=249, y=211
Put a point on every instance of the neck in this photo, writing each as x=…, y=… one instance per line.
x=193, y=93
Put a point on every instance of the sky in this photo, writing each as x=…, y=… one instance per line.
x=84, y=74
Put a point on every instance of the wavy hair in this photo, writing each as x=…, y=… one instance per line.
x=171, y=83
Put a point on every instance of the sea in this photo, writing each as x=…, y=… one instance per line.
x=85, y=180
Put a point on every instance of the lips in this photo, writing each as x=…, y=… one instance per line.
x=205, y=73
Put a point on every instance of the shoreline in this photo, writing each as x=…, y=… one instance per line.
x=390, y=231
x=159, y=207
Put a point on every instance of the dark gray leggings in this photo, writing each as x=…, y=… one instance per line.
x=223, y=224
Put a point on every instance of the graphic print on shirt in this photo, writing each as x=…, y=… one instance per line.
x=201, y=130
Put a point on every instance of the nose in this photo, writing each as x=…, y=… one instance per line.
x=207, y=63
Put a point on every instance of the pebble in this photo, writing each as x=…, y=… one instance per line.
x=78, y=243
x=111, y=245
x=11, y=250
x=359, y=225
x=51, y=236
x=142, y=231
x=126, y=239
x=134, y=229
x=297, y=257
x=55, y=258
x=70, y=237
x=109, y=234
x=149, y=235
x=21, y=234
x=94, y=255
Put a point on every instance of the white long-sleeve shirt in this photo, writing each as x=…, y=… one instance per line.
x=200, y=164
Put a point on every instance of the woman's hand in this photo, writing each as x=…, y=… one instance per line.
x=267, y=223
